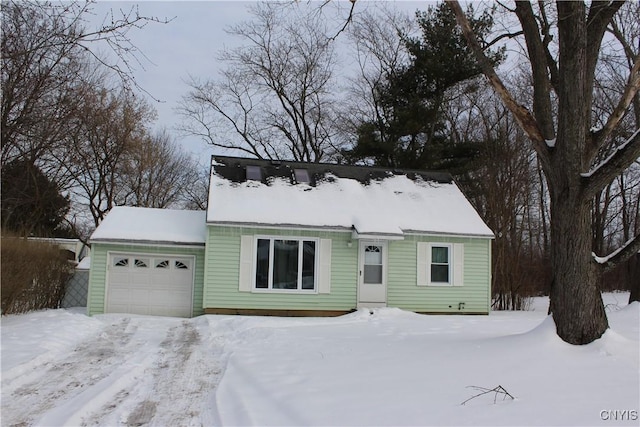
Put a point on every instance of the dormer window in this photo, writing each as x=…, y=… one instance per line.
x=302, y=176
x=254, y=173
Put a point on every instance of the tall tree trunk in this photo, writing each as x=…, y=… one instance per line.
x=633, y=276
x=575, y=300
x=567, y=157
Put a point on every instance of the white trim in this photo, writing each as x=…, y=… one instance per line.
x=355, y=235
x=150, y=255
x=162, y=245
x=246, y=274
x=338, y=229
x=289, y=227
x=456, y=264
x=385, y=267
x=324, y=267
x=423, y=256
x=272, y=238
x=447, y=235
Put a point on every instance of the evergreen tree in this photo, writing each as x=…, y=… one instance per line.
x=31, y=203
x=409, y=130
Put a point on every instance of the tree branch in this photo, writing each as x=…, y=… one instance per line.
x=539, y=67
x=631, y=89
x=523, y=117
x=551, y=62
x=609, y=168
x=600, y=14
x=629, y=249
x=347, y=22
x=503, y=36
x=617, y=33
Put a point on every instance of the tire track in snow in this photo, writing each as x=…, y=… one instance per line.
x=185, y=374
x=133, y=373
x=27, y=397
x=175, y=389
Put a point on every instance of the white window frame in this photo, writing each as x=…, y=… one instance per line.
x=269, y=288
x=456, y=264
x=449, y=264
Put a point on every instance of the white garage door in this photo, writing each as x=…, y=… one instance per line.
x=150, y=284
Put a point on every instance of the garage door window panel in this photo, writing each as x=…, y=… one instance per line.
x=162, y=263
x=141, y=263
x=180, y=265
x=121, y=262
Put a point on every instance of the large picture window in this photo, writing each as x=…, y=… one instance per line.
x=285, y=264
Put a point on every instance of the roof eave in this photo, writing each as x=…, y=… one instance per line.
x=363, y=235
x=140, y=242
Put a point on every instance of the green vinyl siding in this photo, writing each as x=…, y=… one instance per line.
x=98, y=272
x=222, y=272
x=475, y=293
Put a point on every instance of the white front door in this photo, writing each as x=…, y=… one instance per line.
x=372, y=274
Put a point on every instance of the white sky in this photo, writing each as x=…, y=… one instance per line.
x=189, y=45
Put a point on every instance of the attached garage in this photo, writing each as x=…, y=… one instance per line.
x=160, y=285
x=149, y=262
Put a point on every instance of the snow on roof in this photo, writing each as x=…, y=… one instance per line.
x=389, y=206
x=85, y=264
x=125, y=223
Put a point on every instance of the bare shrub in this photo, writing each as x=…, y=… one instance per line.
x=34, y=275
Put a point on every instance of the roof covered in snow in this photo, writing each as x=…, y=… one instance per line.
x=132, y=224
x=370, y=201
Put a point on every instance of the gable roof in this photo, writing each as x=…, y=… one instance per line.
x=150, y=225
x=370, y=201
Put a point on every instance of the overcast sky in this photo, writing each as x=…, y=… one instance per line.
x=188, y=45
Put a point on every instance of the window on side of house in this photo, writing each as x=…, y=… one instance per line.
x=440, y=264
x=440, y=269
x=285, y=264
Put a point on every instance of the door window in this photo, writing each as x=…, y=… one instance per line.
x=372, y=264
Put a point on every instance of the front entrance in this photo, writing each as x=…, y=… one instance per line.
x=372, y=274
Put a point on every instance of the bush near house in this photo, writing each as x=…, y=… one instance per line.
x=34, y=275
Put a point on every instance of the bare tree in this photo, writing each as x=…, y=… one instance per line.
x=156, y=173
x=196, y=196
x=616, y=214
x=275, y=96
x=380, y=51
x=504, y=187
x=108, y=126
x=39, y=60
x=45, y=51
x=567, y=145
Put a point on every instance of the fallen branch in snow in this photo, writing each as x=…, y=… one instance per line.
x=497, y=390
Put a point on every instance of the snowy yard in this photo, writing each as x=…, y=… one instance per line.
x=389, y=367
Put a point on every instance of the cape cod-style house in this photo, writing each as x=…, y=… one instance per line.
x=289, y=238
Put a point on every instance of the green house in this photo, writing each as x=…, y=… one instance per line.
x=298, y=239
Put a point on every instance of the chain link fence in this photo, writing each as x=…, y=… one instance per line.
x=76, y=290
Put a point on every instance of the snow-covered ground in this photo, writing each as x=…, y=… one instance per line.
x=385, y=367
